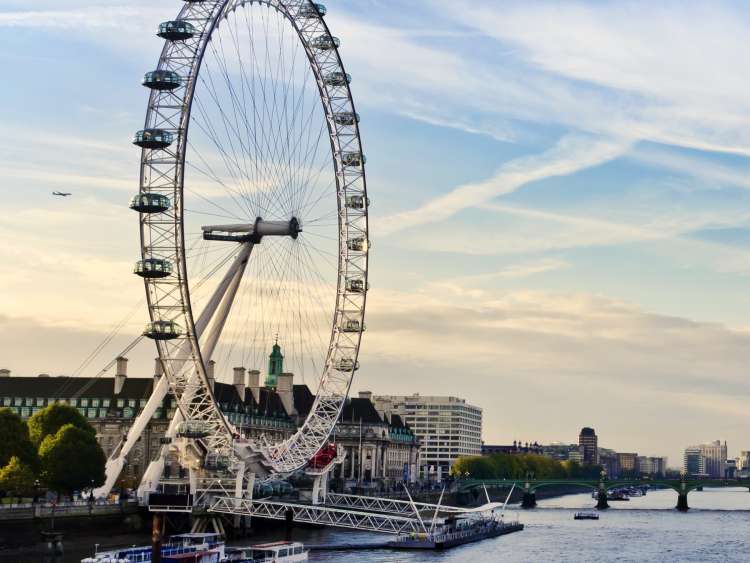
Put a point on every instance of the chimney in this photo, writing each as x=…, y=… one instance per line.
x=365, y=395
x=239, y=382
x=121, y=374
x=158, y=370
x=253, y=382
x=284, y=387
x=4, y=372
x=210, y=374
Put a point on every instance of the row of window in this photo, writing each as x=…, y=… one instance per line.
x=82, y=402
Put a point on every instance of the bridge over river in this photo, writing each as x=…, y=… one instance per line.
x=529, y=486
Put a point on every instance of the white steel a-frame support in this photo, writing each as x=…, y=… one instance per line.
x=218, y=309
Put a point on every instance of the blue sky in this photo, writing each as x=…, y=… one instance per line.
x=560, y=204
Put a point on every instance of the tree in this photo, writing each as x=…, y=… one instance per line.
x=14, y=439
x=71, y=460
x=50, y=419
x=16, y=477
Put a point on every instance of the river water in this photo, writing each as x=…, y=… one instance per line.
x=717, y=528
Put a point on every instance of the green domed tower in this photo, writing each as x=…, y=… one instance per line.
x=275, y=365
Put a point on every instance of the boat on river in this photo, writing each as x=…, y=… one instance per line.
x=586, y=515
x=205, y=548
x=456, y=531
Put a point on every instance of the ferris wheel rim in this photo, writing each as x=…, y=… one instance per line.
x=281, y=456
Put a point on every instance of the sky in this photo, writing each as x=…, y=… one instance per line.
x=560, y=205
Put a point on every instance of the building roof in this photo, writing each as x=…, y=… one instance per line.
x=65, y=387
x=303, y=399
x=356, y=409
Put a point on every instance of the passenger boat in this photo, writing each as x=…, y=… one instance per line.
x=205, y=548
x=456, y=531
x=196, y=548
x=274, y=552
x=586, y=515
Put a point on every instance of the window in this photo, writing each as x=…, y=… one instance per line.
x=91, y=413
x=120, y=403
x=105, y=402
x=39, y=402
x=29, y=401
x=143, y=402
x=25, y=412
x=94, y=402
x=127, y=412
x=84, y=402
x=131, y=403
x=6, y=401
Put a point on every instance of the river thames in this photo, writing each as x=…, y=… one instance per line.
x=717, y=528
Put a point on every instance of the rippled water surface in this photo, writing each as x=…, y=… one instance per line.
x=717, y=528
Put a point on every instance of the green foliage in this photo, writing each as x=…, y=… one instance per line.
x=14, y=439
x=16, y=477
x=508, y=466
x=50, y=419
x=71, y=460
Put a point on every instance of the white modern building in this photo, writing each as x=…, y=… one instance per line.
x=447, y=428
x=706, y=459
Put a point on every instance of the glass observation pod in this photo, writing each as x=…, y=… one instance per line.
x=194, y=429
x=337, y=78
x=346, y=118
x=216, y=462
x=353, y=158
x=162, y=330
x=356, y=285
x=325, y=42
x=351, y=325
x=149, y=203
x=176, y=30
x=153, y=138
x=161, y=80
x=153, y=268
x=346, y=364
x=357, y=202
x=358, y=244
x=311, y=10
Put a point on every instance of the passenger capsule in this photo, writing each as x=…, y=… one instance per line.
x=325, y=43
x=215, y=462
x=351, y=325
x=337, y=78
x=153, y=268
x=193, y=429
x=162, y=80
x=357, y=202
x=162, y=330
x=346, y=118
x=311, y=10
x=358, y=244
x=346, y=364
x=177, y=30
x=354, y=158
x=356, y=285
x=153, y=138
x=150, y=203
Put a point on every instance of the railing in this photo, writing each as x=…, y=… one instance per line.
x=317, y=514
x=28, y=511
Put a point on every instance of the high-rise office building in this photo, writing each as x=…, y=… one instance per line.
x=447, y=427
x=713, y=456
x=588, y=443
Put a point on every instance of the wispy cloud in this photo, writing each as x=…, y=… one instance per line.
x=571, y=154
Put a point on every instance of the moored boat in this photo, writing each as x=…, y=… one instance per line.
x=196, y=548
x=586, y=515
x=273, y=552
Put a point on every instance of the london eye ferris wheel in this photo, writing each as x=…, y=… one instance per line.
x=253, y=211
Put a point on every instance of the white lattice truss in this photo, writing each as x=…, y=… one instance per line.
x=317, y=514
x=386, y=505
x=162, y=172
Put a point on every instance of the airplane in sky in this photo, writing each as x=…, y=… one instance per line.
x=62, y=194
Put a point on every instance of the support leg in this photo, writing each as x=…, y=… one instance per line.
x=682, y=504
x=528, y=500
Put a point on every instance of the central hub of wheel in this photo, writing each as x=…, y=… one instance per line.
x=253, y=232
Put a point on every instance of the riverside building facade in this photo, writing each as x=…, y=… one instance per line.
x=386, y=451
x=446, y=427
